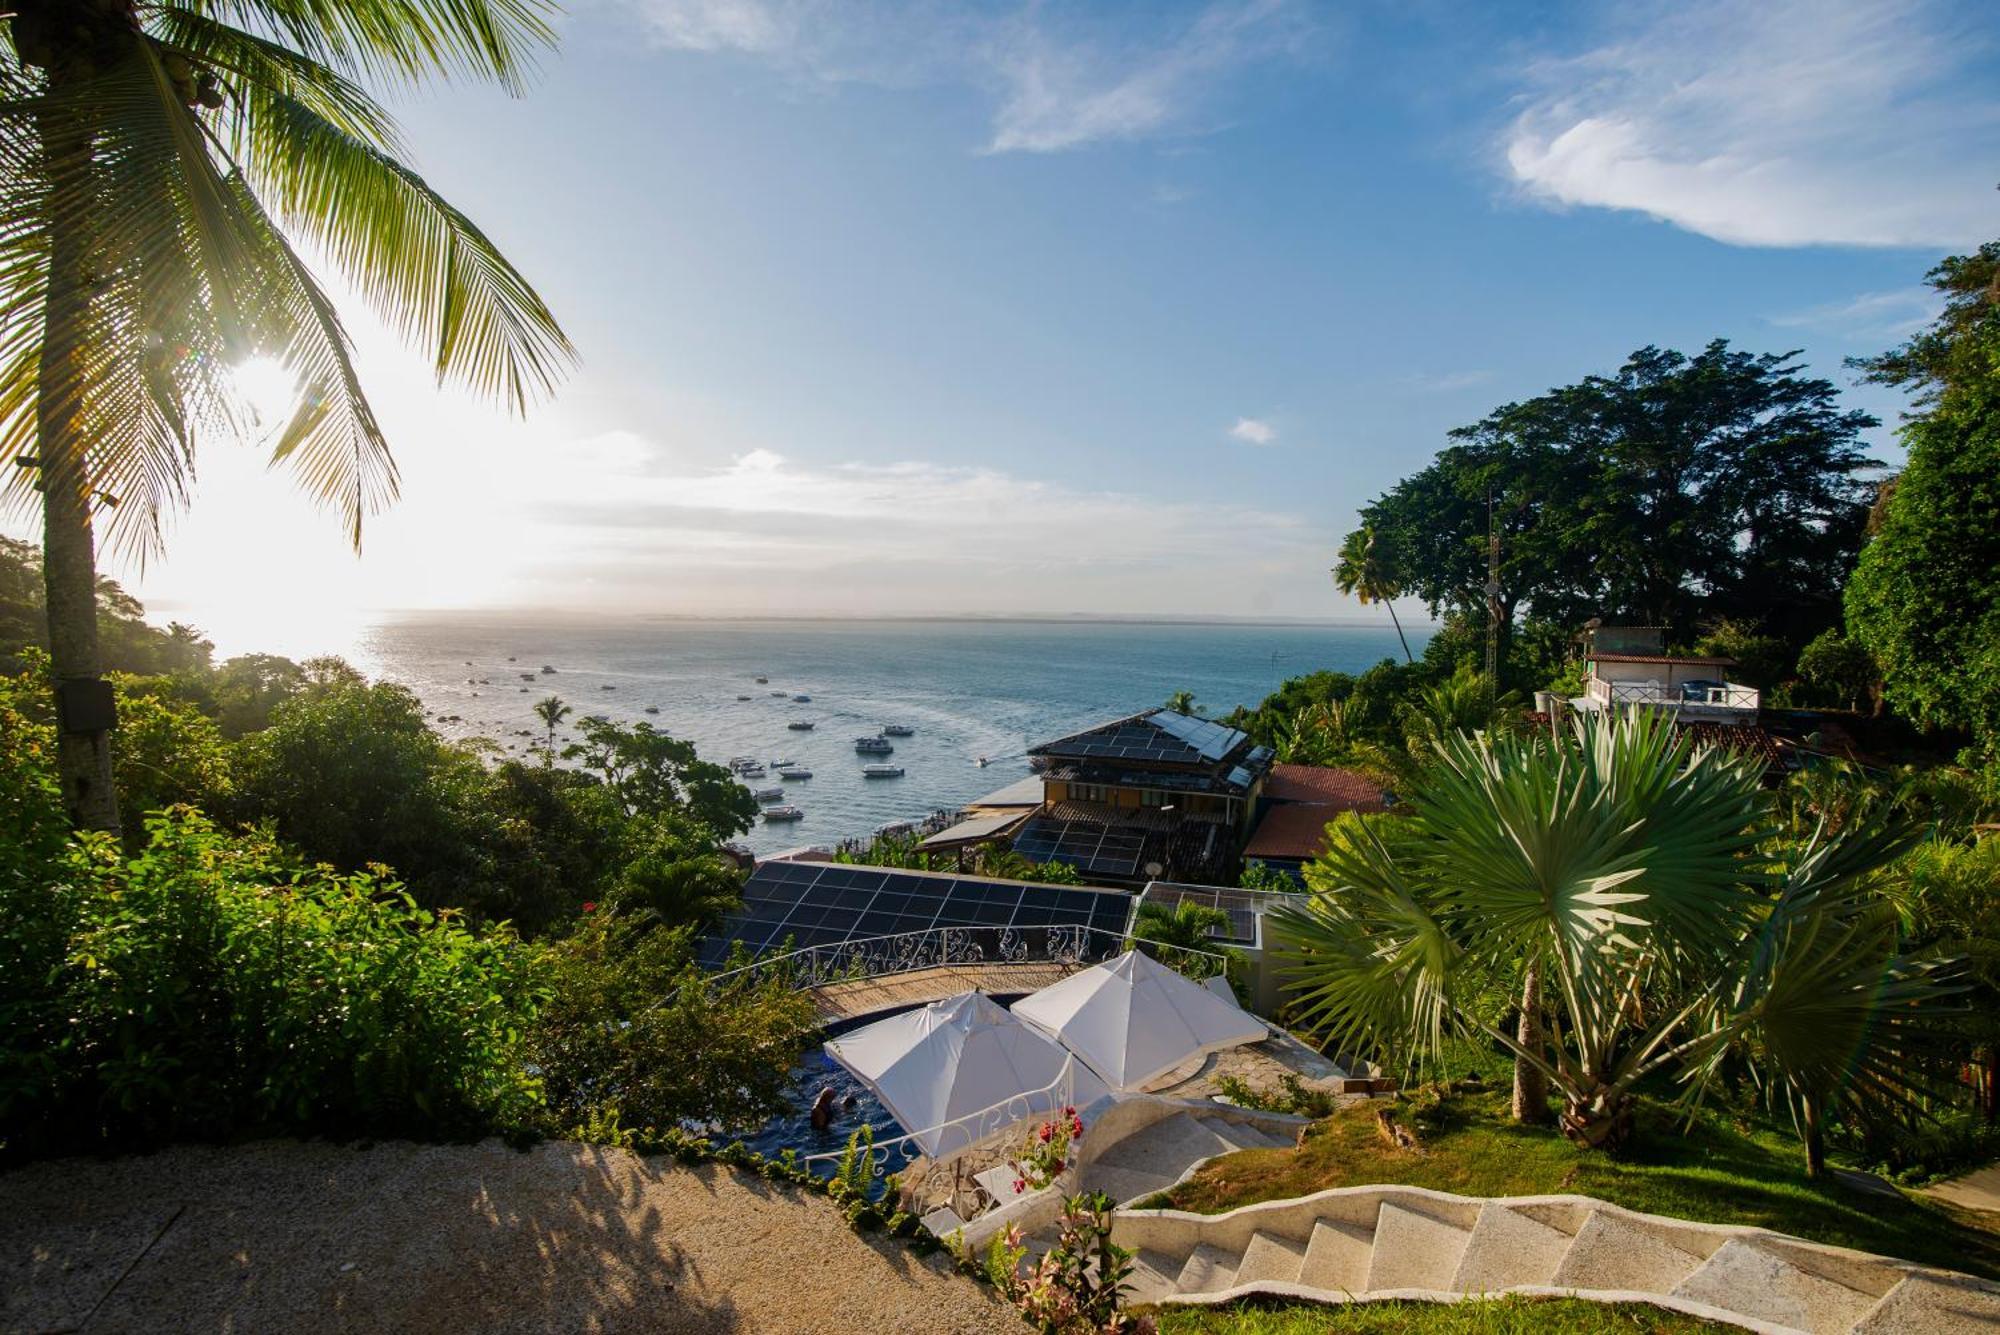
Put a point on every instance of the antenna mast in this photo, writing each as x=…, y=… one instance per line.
x=1492, y=598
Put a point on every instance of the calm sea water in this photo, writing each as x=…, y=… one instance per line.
x=970, y=689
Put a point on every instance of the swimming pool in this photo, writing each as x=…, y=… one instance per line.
x=795, y=1131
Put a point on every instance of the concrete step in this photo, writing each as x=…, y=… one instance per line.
x=1239, y=1136
x=1173, y=1142
x=1125, y=1185
x=1935, y=1305
x=1271, y=1257
x=1208, y=1269
x=1508, y=1248
x=1610, y=1252
x=1153, y=1276
x=1742, y=1277
x=1414, y=1251
x=1336, y=1257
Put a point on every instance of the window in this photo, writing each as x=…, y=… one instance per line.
x=1152, y=797
x=1090, y=792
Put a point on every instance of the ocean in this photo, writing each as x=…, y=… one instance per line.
x=970, y=689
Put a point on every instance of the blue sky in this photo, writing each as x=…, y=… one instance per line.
x=1065, y=308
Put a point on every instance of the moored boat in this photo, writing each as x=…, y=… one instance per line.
x=795, y=772
x=881, y=771
x=898, y=730
x=803, y=699
x=800, y=725
x=786, y=812
x=768, y=794
x=872, y=746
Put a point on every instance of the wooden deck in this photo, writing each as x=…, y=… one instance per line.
x=867, y=996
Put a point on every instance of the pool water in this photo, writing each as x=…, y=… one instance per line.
x=795, y=1131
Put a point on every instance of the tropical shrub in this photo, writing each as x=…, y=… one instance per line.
x=212, y=987
x=1075, y=1288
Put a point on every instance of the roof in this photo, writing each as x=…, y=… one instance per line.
x=974, y=829
x=1342, y=789
x=1692, y=660
x=1155, y=737
x=1020, y=793
x=1291, y=832
x=1744, y=737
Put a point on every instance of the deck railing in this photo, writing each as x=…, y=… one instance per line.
x=1068, y=944
x=1725, y=696
x=962, y=1133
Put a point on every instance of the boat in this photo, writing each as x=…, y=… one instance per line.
x=738, y=762
x=801, y=725
x=795, y=772
x=786, y=812
x=982, y=762
x=742, y=697
x=787, y=763
x=802, y=699
x=652, y=709
x=881, y=771
x=768, y=794
x=777, y=695
x=872, y=746
x=898, y=730
x=548, y=671
x=763, y=681
x=607, y=688
x=750, y=772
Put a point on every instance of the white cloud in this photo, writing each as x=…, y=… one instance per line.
x=1254, y=431
x=1444, y=382
x=1879, y=315
x=1062, y=82
x=1794, y=122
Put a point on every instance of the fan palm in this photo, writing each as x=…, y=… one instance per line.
x=1367, y=576
x=158, y=161
x=1627, y=870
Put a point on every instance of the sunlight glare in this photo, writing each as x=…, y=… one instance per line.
x=265, y=389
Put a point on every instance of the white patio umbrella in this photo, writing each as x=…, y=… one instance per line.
x=1133, y=1019
x=946, y=1061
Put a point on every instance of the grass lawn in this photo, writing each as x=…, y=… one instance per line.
x=1718, y=1170
x=1496, y=1316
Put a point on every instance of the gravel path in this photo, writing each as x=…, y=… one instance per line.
x=288, y=1236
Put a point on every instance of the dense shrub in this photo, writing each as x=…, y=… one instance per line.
x=211, y=987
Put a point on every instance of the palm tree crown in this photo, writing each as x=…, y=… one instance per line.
x=1367, y=576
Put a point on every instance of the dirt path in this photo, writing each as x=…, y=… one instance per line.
x=400, y=1237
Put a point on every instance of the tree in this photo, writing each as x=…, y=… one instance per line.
x=1181, y=702
x=1840, y=671
x=1679, y=489
x=652, y=772
x=1366, y=575
x=1631, y=874
x=551, y=712
x=155, y=163
x=1925, y=597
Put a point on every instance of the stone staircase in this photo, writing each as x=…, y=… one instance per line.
x=1363, y=1243
x=1155, y=1157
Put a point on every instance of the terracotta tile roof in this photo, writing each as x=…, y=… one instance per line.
x=1294, y=832
x=1340, y=789
x=1736, y=737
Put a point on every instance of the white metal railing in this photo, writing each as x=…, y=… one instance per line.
x=962, y=1133
x=1725, y=696
x=1069, y=944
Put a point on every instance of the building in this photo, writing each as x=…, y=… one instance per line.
x=1627, y=667
x=1156, y=795
x=1300, y=801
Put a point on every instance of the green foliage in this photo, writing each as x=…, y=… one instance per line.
x=1513, y=1314
x=166, y=753
x=1925, y=597
x=631, y=1021
x=248, y=690
x=652, y=772
x=1263, y=876
x=211, y=987
x=1678, y=490
x=677, y=878
x=1074, y=1289
x=1761, y=660
x=1637, y=874
x=1838, y=671
x=854, y=1175
x=1293, y=1096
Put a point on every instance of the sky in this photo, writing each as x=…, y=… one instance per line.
x=1058, y=308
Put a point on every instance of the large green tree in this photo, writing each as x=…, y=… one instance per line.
x=158, y=160
x=1677, y=490
x=1925, y=597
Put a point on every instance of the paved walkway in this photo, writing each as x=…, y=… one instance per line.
x=869, y=996
x=284, y=1236
x=1976, y=1190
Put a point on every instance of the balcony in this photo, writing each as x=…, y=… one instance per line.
x=1709, y=699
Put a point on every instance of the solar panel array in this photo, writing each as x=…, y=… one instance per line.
x=1244, y=907
x=1087, y=845
x=1161, y=738
x=819, y=903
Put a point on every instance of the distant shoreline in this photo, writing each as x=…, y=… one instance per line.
x=1025, y=619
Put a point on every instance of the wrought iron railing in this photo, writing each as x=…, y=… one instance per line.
x=1725, y=696
x=1067, y=944
x=962, y=1133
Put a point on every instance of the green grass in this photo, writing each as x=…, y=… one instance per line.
x=1719, y=1170
x=1495, y=1316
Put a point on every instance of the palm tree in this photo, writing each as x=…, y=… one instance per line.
x=1631, y=874
x=551, y=712
x=156, y=164
x=1368, y=577
x=1177, y=932
x=1181, y=702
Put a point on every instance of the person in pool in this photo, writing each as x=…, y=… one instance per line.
x=822, y=1111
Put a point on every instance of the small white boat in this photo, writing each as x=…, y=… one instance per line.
x=787, y=763
x=881, y=771
x=738, y=762
x=786, y=812
x=769, y=794
x=898, y=730
x=800, y=725
x=763, y=681
x=872, y=746
x=795, y=772
x=750, y=772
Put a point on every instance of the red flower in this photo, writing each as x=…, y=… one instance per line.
x=590, y=906
x=1020, y=1185
x=1046, y=1132
x=1069, y=1112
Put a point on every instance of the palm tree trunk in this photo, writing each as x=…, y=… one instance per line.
x=69, y=561
x=1398, y=623
x=1531, y=1088
x=1815, y=1138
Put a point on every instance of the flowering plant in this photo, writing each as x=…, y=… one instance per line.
x=1046, y=1154
x=1075, y=1288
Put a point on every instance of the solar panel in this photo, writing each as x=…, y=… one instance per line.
x=1089, y=846
x=819, y=904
